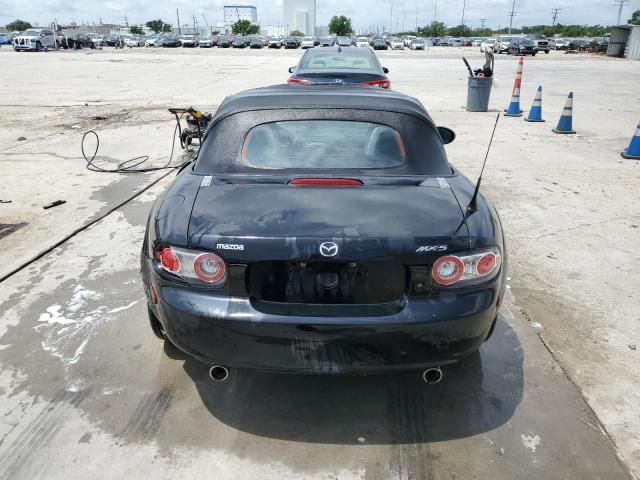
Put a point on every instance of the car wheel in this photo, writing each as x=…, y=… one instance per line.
x=533, y=54
x=38, y=46
x=546, y=51
x=156, y=326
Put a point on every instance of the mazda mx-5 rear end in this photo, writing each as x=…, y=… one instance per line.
x=322, y=230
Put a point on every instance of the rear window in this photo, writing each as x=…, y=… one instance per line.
x=341, y=60
x=323, y=144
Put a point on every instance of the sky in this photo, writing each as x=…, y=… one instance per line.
x=403, y=15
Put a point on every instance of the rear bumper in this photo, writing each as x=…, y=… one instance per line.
x=231, y=331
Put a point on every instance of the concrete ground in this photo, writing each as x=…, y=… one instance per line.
x=86, y=389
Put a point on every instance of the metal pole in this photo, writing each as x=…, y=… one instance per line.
x=464, y=6
x=511, y=15
x=178, y=15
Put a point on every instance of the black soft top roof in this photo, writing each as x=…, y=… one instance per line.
x=279, y=97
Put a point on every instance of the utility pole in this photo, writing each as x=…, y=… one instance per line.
x=193, y=16
x=482, y=23
x=391, y=20
x=126, y=21
x=555, y=12
x=620, y=3
x=435, y=10
x=178, y=15
x=404, y=19
x=417, y=12
x=206, y=23
x=513, y=14
x=464, y=6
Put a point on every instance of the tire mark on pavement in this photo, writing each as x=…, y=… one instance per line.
x=38, y=433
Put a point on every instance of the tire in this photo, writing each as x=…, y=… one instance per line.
x=38, y=47
x=156, y=326
x=533, y=54
x=546, y=51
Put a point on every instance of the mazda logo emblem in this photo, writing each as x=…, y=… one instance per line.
x=328, y=249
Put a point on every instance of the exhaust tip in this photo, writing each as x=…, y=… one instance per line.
x=432, y=375
x=218, y=373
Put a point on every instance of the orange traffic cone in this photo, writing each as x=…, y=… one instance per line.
x=514, y=107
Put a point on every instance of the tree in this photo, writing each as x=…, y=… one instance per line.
x=434, y=29
x=340, y=26
x=158, y=26
x=215, y=32
x=460, y=31
x=18, y=25
x=296, y=33
x=136, y=30
x=635, y=18
x=244, y=27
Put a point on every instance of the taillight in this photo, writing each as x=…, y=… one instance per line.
x=378, y=83
x=466, y=268
x=169, y=260
x=193, y=266
x=447, y=270
x=326, y=182
x=210, y=268
x=300, y=81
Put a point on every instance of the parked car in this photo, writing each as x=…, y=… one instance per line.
x=98, y=40
x=205, y=42
x=476, y=42
x=558, y=44
x=345, y=42
x=240, y=42
x=502, y=44
x=151, y=40
x=190, y=41
x=275, y=42
x=230, y=281
x=578, y=44
x=4, y=39
x=396, y=44
x=417, y=44
x=291, y=42
x=379, y=44
x=307, y=42
x=444, y=42
x=457, y=42
x=171, y=42
x=522, y=46
x=487, y=45
x=224, y=42
x=134, y=41
x=256, y=42
x=407, y=39
x=342, y=66
x=540, y=41
x=34, y=39
x=327, y=41
x=363, y=42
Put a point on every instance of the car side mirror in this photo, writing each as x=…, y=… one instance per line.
x=447, y=135
x=291, y=69
x=385, y=69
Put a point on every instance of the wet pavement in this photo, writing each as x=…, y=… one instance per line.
x=86, y=389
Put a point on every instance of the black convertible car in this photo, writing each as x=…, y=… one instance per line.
x=321, y=229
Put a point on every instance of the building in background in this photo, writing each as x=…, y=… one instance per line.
x=299, y=15
x=233, y=13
